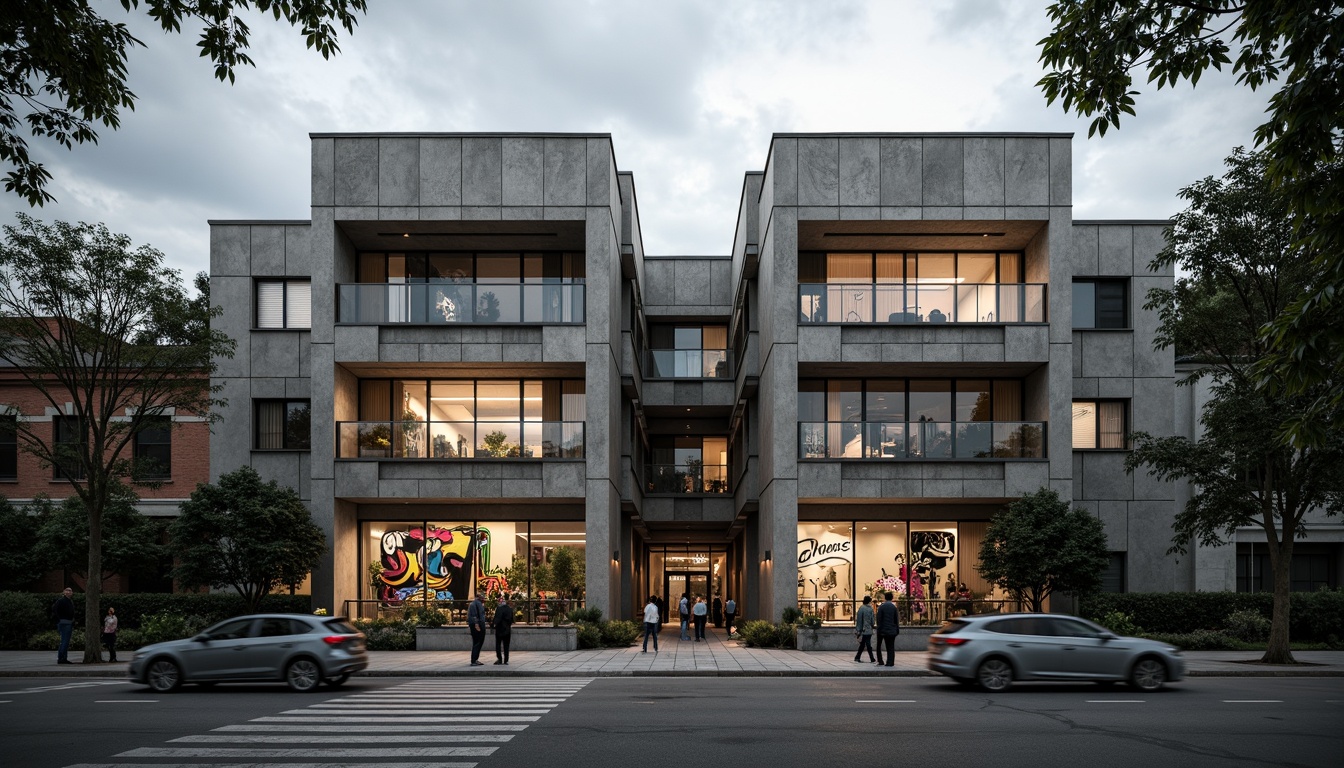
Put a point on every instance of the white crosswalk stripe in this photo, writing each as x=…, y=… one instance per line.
x=423, y=721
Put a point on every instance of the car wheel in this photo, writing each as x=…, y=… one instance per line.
x=338, y=681
x=163, y=675
x=1148, y=674
x=303, y=675
x=995, y=675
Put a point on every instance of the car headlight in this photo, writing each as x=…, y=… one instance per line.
x=1174, y=651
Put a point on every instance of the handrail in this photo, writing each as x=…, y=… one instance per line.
x=460, y=302
x=906, y=303
x=922, y=440
x=526, y=610
x=686, y=478
x=413, y=439
x=912, y=611
x=688, y=364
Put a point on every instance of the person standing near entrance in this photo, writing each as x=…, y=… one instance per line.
x=684, y=610
x=476, y=623
x=503, y=625
x=729, y=613
x=651, y=624
x=701, y=613
x=864, y=620
x=888, y=627
x=64, y=608
x=717, y=612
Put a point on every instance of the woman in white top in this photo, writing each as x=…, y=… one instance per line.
x=651, y=624
x=110, y=634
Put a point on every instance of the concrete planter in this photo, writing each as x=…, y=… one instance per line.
x=842, y=639
x=525, y=638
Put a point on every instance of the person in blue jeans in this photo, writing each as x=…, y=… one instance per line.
x=700, y=613
x=65, y=624
x=651, y=624
x=685, y=610
x=476, y=624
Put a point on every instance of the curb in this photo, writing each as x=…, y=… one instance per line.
x=911, y=673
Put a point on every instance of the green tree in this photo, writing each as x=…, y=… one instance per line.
x=1038, y=546
x=64, y=65
x=247, y=534
x=19, y=565
x=130, y=540
x=1236, y=247
x=1093, y=51
x=567, y=569
x=107, y=335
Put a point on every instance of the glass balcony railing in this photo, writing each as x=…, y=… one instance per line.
x=459, y=439
x=688, y=364
x=921, y=440
x=906, y=303
x=686, y=478
x=449, y=303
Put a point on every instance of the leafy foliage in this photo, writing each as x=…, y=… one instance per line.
x=760, y=633
x=1247, y=625
x=20, y=617
x=130, y=540
x=19, y=565
x=1038, y=546
x=589, y=635
x=66, y=65
x=1315, y=615
x=619, y=633
x=567, y=571
x=246, y=534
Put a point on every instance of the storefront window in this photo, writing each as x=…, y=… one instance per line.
x=880, y=555
x=826, y=569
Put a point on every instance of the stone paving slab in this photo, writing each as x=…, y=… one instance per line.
x=716, y=657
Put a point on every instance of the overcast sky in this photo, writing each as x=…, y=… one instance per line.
x=689, y=91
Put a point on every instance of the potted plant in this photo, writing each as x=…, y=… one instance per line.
x=375, y=441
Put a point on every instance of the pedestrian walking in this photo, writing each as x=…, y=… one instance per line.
x=64, y=609
x=684, y=611
x=701, y=613
x=716, y=612
x=503, y=625
x=651, y=624
x=729, y=613
x=110, y=634
x=888, y=627
x=864, y=621
x=476, y=623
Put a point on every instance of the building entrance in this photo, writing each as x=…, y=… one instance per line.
x=691, y=584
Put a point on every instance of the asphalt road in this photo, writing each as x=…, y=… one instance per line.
x=730, y=722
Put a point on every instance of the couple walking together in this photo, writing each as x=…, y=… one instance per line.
x=502, y=624
x=886, y=622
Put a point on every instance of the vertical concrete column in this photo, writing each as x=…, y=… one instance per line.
x=603, y=385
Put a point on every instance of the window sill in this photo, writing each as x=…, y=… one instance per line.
x=468, y=459
x=272, y=330
x=1102, y=450
x=893, y=460
x=1103, y=330
x=282, y=450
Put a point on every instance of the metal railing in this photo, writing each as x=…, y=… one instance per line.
x=913, y=612
x=921, y=440
x=454, y=612
x=451, y=303
x=686, y=478
x=459, y=439
x=688, y=364
x=905, y=303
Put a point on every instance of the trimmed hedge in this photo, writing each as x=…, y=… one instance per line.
x=1313, y=616
x=24, y=614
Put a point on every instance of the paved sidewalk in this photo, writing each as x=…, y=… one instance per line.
x=716, y=656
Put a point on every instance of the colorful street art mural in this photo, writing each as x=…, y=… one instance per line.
x=437, y=562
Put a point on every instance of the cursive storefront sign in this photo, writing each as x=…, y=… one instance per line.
x=814, y=551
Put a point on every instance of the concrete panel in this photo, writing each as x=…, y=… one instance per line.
x=1104, y=476
x=603, y=190
x=440, y=173
x=1149, y=567
x=860, y=213
x=818, y=171
x=276, y=353
x=944, y=172
x=819, y=213
x=563, y=344
x=231, y=439
x=235, y=295
x=1061, y=171
x=300, y=389
x=1154, y=408
x=784, y=158
x=482, y=353
x=901, y=213
x=399, y=171
x=860, y=172
x=1149, y=361
x=1027, y=171
x=563, y=480
x=1083, y=253
x=398, y=213
x=982, y=212
x=299, y=251
x=691, y=282
x=819, y=343
x=1023, y=477
x=1107, y=353
x=1028, y=213
x=902, y=488
x=982, y=489
x=324, y=172
x=982, y=353
x=482, y=172
x=356, y=172
x=1148, y=242
x=230, y=251
x=522, y=171
x=1114, y=516
x=356, y=213
x=902, y=173
x=1086, y=388
x=357, y=479
x=263, y=388
x=1110, y=388
x=481, y=213
x=1115, y=251
x=819, y=480
x=903, y=353
x=566, y=172
x=564, y=213
x=522, y=353
x=984, y=171
x=521, y=213
x=356, y=343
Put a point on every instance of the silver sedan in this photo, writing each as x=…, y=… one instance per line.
x=303, y=651
x=996, y=650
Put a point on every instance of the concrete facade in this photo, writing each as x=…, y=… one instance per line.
x=817, y=193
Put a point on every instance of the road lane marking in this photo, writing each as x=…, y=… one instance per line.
x=384, y=712
x=126, y=701
x=68, y=686
x=884, y=701
x=400, y=751
x=342, y=764
x=394, y=719
x=1252, y=701
x=1117, y=701
x=369, y=728
x=302, y=738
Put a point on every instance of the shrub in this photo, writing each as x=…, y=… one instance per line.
x=51, y=640
x=425, y=617
x=590, y=635
x=811, y=620
x=20, y=616
x=1313, y=616
x=399, y=637
x=130, y=639
x=791, y=615
x=618, y=633
x=1247, y=626
x=1199, y=640
x=764, y=634
x=1120, y=623
x=590, y=615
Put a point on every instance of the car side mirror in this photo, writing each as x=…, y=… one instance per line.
x=202, y=638
x=1105, y=635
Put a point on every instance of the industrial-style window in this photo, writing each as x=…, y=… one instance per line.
x=9, y=448
x=1113, y=578
x=282, y=425
x=154, y=450
x=1100, y=424
x=67, y=437
x=284, y=304
x=1100, y=303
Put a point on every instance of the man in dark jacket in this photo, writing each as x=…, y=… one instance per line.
x=888, y=627
x=476, y=623
x=64, y=609
x=503, y=625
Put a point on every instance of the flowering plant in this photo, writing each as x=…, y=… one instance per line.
x=320, y=612
x=892, y=584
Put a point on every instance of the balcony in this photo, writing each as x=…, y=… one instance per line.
x=459, y=440
x=462, y=302
x=908, y=303
x=692, y=478
x=921, y=440
x=688, y=364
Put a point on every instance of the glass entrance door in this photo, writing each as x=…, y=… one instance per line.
x=691, y=584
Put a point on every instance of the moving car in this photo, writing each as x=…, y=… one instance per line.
x=996, y=650
x=303, y=651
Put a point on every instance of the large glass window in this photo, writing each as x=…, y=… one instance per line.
x=154, y=450
x=68, y=437
x=1100, y=303
x=284, y=304
x=1100, y=424
x=282, y=425
x=687, y=465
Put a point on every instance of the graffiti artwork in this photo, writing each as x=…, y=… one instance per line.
x=930, y=552
x=434, y=561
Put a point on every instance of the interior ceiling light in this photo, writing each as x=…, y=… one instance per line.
x=468, y=234
x=913, y=234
